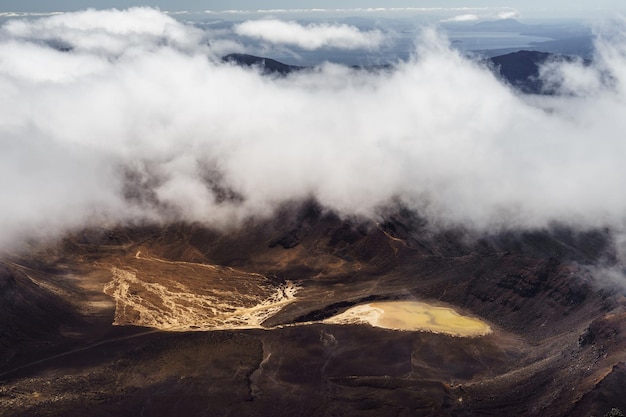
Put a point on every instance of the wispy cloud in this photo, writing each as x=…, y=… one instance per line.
x=361, y=10
x=508, y=14
x=28, y=14
x=311, y=36
x=106, y=31
x=462, y=18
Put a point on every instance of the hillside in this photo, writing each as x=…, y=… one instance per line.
x=206, y=322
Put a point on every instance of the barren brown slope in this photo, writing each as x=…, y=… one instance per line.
x=557, y=335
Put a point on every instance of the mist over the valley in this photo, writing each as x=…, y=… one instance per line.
x=312, y=212
x=126, y=116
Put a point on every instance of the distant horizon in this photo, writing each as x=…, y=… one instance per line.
x=528, y=9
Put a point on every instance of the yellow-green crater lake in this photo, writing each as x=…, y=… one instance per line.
x=412, y=316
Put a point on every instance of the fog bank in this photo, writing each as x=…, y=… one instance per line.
x=119, y=116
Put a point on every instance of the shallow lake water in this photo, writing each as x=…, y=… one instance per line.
x=412, y=316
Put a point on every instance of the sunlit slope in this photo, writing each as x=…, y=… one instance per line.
x=178, y=296
x=162, y=312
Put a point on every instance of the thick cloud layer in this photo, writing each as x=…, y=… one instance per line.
x=112, y=116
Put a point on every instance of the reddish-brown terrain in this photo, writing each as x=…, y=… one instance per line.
x=181, y=320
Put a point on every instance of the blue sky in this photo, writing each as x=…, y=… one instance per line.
x=534, y=7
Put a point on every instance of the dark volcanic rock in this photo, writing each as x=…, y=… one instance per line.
x=557, y=346
x=606, y=398
x=30, y=314
x=286, y=241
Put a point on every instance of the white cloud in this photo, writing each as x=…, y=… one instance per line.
x=106, y=31
x=462, y=18
x=359, y=10
x=311, y=36
x=149, y=129
x=509, y=14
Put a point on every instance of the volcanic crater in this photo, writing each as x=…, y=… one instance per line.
x=185, y=320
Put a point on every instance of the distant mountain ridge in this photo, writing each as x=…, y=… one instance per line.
x=267, y=65
x=501, y=24
x=519, y=69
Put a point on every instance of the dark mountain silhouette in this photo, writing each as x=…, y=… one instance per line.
x=271, y=66
x=519, y=69
x=267, y=65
